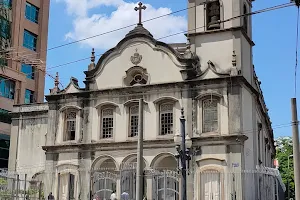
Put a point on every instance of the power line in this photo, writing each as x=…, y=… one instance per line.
x=161, y=16
x=114, y=30
x=182, y=32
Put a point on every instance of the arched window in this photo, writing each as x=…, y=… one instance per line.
x=210, y=115
x=166, y=118
x=213, y=14
x=70, y=125
x=245, y=19
x=107, y=123
x=133, y=120
x=210, y=184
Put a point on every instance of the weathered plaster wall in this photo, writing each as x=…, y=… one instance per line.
x=29, y=130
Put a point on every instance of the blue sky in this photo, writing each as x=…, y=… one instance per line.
x=274, y=34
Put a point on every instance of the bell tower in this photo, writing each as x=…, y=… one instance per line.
x=218, y=31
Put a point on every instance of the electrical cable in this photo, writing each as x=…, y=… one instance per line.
x=114, y=30
x=182, y=32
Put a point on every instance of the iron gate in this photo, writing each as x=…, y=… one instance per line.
x=104, y=183
x=128, y=182
x=165, y=185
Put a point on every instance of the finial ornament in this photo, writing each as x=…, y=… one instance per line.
x=56, y=81
x=56, y=89
x=182, y=112
x=140, y=8
x=93, y=55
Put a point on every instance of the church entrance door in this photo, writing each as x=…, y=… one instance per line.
x=103, y=184
x=165, y=185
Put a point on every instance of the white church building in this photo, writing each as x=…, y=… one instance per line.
x=82, y=142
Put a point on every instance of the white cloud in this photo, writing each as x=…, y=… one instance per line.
x=85, y=25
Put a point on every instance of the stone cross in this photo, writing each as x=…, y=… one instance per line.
x=140, y=8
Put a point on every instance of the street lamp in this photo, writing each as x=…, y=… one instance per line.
x=289, y=176
x=183, y=145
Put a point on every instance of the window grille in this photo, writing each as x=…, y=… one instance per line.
x=70, y=125
x=210, y=115
x=107, y=123
x=134, y=120
x=166, y=119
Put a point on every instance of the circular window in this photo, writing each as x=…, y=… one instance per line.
x=137, y=78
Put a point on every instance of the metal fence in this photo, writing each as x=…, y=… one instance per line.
x=159, y=184
x=18, y=187
x=165, y=185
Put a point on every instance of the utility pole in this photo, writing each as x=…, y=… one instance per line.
x=296, y=149
x=140, y=160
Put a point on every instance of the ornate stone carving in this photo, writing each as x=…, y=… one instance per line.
x=136, y=58
x=136, y=75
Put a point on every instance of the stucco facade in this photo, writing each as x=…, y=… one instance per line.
x=213, y=81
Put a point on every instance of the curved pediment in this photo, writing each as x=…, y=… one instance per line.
x=72, y=87
x=156, y=62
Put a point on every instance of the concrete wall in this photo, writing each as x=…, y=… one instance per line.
x=29, y=128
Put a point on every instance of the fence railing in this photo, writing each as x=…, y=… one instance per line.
x=14, y=187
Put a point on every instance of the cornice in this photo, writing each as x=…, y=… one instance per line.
x=237, y=28
x=148, y=144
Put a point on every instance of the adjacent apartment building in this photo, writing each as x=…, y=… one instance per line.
x=24, y=30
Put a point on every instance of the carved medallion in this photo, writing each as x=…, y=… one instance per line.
x=136, y=58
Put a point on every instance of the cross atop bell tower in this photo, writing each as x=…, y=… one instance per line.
x=140, y=8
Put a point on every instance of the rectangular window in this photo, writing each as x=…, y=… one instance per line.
x=6, y=3
x=107, y=123
x=4, y=116
x=71, y=186
x=28, y=70
x=7, y=88
x=210, y=115
x=32, y=12
x=28, y=96
x=70, y=128
x=4, y=150
x=258, y=142
x=166, y=119
x=134, y=120
x=29, y=40
x=4, y=28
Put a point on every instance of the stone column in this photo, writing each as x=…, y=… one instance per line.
x=148, y=177
x=50, y=174
x=85, y=174
x=51, y=158
x=234, y=109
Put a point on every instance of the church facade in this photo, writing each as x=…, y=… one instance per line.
x=82, y=143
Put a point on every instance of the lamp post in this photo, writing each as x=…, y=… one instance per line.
x=288, y=183
x=183, y=145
